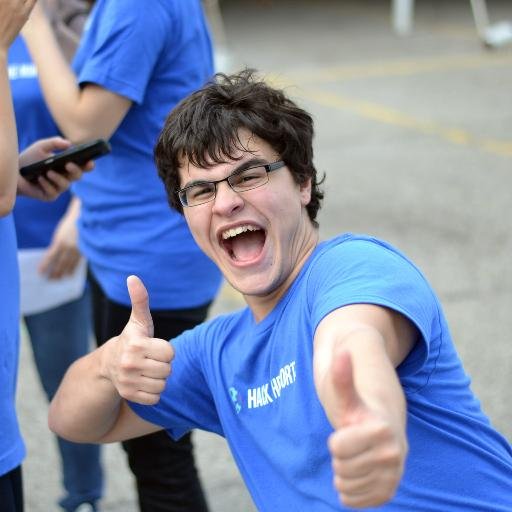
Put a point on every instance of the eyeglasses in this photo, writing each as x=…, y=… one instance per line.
x=240, y=181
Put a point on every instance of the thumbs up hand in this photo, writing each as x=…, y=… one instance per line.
x=139, y=364
x=368, y=450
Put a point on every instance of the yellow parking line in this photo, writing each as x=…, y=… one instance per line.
x=302, y=83
x=393, y=117
x=400, y=67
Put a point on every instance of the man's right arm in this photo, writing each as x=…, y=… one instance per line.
x=88, y=407
x=90, y=404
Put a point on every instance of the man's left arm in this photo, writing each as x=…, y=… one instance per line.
x=356, y=351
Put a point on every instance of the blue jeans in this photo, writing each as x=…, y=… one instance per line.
x=59, y=337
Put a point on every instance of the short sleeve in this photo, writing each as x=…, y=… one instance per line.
x=122, y=46
x=367, y=271
x=186, y=402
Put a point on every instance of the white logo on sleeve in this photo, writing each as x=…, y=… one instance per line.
x=267, y=393
x=20, y=71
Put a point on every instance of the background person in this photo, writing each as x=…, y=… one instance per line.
x=13, y=14
x=339, y=381
x=59, y=333
x=134, y=63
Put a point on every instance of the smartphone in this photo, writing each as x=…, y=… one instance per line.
x=79, y=155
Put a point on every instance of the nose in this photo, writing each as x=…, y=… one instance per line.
x=226, y=201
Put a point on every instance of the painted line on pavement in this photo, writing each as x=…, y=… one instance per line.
x=302, y=83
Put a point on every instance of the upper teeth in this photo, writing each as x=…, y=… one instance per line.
x=236, y=231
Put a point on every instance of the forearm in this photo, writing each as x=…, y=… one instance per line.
x=374, y=376
x=364, y=402
x=73, y=211
x=8, y=142
x=87, y=404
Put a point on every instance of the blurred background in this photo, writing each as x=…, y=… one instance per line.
x=413, y=109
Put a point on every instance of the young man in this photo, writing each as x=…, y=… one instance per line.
x=339, y=385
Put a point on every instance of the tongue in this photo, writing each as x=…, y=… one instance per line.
x=248, y=245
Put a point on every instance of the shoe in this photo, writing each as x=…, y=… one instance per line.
x=85, y=507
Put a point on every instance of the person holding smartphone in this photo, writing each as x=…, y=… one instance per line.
x=135, y=62
x=59, y=326
x=13, y=14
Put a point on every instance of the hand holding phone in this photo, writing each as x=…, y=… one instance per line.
x=79, y=155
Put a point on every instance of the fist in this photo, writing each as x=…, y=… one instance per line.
x=140, y=364
x=368, y=451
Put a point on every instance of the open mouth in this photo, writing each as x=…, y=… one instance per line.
x=243, y=243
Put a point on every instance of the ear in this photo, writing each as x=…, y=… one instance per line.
x=305, y=192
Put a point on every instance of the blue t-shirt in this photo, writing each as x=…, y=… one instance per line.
x=35, y=220
x=253, y=383
x=12, y=449
x=154, y=53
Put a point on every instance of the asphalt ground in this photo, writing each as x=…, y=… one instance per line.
x=414, y=135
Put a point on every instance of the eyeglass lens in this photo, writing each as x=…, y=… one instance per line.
x=245, y=179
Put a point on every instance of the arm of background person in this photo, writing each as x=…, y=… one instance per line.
x=13, y=14
x=80, y=113
x=62, y=256
x=8, y=141
x=356, y=351
x=90, y=405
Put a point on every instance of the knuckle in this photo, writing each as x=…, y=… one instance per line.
x=126, y=393
x=169, y=353
x=351, y=501
x=384, y=496
x=337, y=466
x=333, y=443
x=390, y=456
x=160, y=386
x=386, y=489
x=124, y=383
x=164, y=350
x=383, y=431
x=126, y=364
x=133, y=343
x=133, y=349
x=338, y=483
x=151, y=399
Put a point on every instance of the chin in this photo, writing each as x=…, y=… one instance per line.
x=251, y=288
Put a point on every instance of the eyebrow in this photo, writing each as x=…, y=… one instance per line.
x=253, y=162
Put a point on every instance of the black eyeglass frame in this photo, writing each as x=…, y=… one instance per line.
x=274, y=166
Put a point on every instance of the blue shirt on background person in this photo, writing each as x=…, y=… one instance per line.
x=126, y=224
x=12, y=448
x=35, y=221
x=144, y=57
x=54, y=350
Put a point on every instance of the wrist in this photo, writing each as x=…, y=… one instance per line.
x=106, y=356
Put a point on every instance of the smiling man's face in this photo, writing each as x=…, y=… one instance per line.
x=259, y=238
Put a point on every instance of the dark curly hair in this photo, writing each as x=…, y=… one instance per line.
x=204, y=129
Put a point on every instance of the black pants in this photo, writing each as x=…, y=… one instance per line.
x=11, y=493
x=165, y=471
